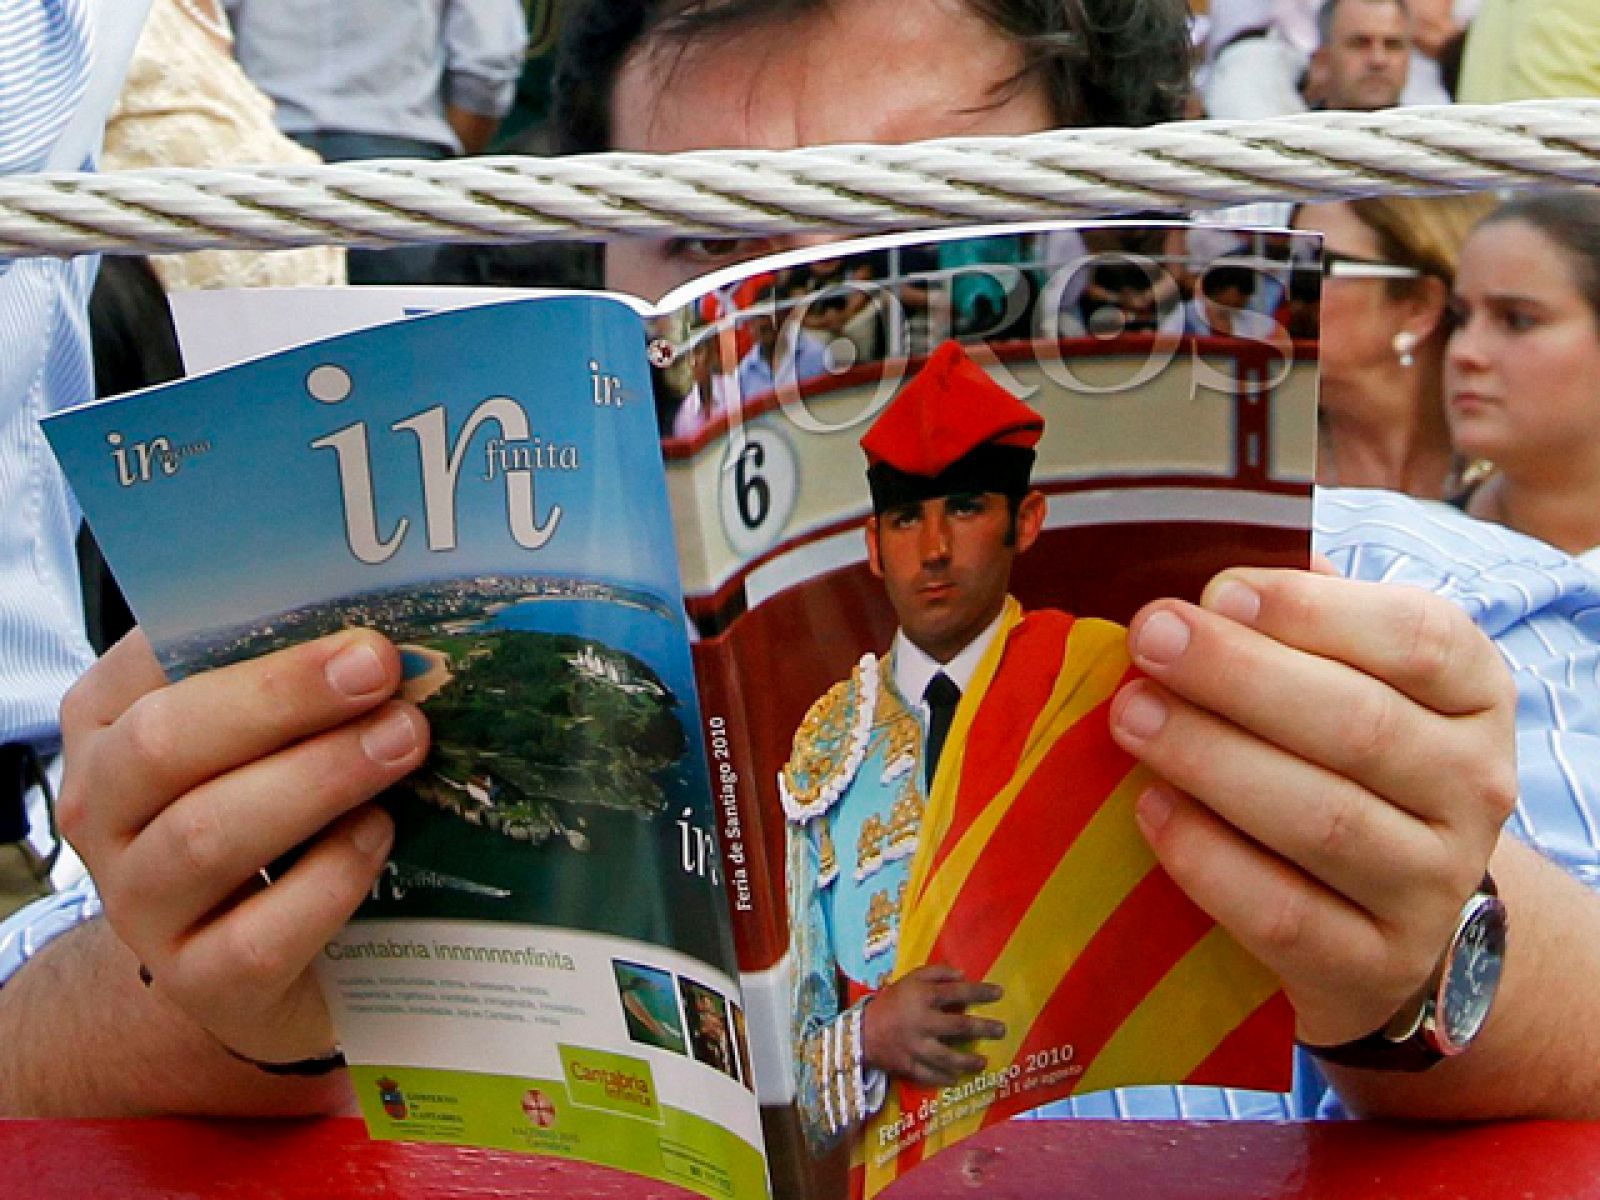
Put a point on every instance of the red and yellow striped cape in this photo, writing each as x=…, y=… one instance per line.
x=1030, y=872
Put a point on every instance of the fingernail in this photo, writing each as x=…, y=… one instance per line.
x=1237, y=601
x=1142, y=715
x=372, y=834
x=997, y=1030
x=356, y=671
x=391, y=740
x=1153, y=809
x=1161, y=640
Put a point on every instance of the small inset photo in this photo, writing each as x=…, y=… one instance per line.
x=649, y=1006
x=741, y=1040
x=710, y=1031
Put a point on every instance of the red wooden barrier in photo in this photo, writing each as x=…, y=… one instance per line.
x=1082, y=1160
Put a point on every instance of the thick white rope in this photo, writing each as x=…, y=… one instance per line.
x=1066, y=173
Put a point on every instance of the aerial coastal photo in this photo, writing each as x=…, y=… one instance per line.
x=561, y=712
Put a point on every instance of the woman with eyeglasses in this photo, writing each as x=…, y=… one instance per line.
x=1522, y=373
x=1389, y=264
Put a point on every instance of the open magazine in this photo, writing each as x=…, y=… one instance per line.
x=677, y=822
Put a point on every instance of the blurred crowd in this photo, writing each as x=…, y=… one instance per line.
x=1433, y=311
x=1459, y=335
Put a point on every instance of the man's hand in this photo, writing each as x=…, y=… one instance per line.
x=1433, y=25
x=178, y=796
x=475, y=130
x=1339, y=759
x=908, y=1028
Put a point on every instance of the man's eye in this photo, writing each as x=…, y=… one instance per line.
x=965, y=506
x=716, y=249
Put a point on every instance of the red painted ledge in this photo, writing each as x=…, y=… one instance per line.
x=326, y=1160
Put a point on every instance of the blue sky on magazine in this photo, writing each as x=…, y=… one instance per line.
x=507, y=439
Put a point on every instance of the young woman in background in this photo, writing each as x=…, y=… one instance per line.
x=1522, y=373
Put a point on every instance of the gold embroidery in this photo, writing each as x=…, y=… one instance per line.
x=905, y=822
x=869, y=846
x=849, y=1068
x=828, y=860
x=814, y=1051
x=899, y=728
x=882, y=917
x=830, y=745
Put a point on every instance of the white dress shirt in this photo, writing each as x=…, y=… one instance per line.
x=914, y=668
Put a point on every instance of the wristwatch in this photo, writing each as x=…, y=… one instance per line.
x=1450, y=1010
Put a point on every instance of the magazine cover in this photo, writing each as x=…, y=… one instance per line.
x=811, y=416
x=1168, y=377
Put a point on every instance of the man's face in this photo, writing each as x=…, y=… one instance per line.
x=1368, y=55
x=862, y=71
x=946, y=563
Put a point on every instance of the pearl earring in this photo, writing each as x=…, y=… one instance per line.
x=1405, y=343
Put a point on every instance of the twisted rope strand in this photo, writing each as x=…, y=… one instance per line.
x=1064, y=173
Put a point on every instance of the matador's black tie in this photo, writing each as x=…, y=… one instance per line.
x=941, y=697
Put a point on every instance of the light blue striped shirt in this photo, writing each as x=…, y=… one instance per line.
x=1541, y=608
x=45, y=69
x=381, y=66
x=61, y=66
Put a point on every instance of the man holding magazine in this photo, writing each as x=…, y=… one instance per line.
x=1337, y=815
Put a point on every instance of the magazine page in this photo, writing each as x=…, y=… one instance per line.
x=1171, y=372
x=219, y=328
x=545, y=964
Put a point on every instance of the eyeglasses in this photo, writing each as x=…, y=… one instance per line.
x=1349, y=266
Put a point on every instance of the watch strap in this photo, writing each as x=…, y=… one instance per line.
x=1377, y=1052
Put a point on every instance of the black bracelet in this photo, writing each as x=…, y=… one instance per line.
x=304, y=1068
x=323, y=1064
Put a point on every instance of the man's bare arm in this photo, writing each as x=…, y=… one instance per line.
x=177, y=797
x=83, y=1037
x=474, y=129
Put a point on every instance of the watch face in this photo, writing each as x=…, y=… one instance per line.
x=1469, y=984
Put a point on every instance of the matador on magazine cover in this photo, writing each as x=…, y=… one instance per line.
x=943, y=800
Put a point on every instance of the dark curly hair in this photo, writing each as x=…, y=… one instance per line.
x=1103, y=62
